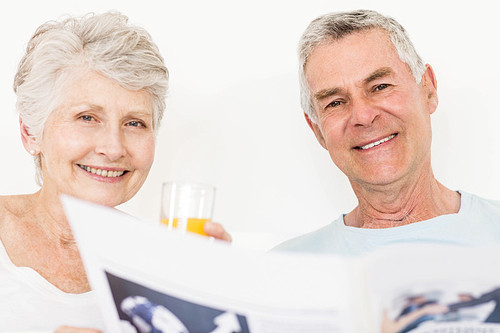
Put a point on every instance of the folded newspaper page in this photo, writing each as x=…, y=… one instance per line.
x=151, y=279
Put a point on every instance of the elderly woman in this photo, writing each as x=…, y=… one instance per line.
x=90, y=97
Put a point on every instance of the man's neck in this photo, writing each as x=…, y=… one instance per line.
x=401, y=204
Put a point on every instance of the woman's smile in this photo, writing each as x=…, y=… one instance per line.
x=103, y=172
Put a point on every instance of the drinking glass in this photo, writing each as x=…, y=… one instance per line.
x=187, y=206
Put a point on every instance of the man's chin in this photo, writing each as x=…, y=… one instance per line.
x=378, y=179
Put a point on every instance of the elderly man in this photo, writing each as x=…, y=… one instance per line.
x=368, y=98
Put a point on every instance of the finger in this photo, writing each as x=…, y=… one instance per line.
x=68, y=329
x=216, y=230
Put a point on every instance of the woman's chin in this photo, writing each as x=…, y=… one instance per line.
x=104, y=199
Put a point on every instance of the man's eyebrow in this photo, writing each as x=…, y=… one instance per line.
x=379, y=73
x=325, y=93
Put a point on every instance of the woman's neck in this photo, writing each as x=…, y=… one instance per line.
x=51, y=219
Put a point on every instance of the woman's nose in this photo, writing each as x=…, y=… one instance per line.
x=111, y=144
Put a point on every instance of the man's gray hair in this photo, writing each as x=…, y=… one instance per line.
x=335, y=26
x=105, y=43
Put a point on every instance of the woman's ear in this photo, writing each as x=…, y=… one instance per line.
x=30, y=143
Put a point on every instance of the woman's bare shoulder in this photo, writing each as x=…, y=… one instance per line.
x=14, y=206
x=13, y=210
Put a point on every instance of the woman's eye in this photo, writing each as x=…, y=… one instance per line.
x=136, y=123
x=87, y=118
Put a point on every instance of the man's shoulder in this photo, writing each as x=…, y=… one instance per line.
x=476, y=204
x=311, y=242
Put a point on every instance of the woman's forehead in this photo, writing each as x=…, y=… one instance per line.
x=86, y=87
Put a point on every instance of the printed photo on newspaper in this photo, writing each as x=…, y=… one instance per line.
x=150, y=279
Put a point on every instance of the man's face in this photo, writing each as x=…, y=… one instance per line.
x=373, y=118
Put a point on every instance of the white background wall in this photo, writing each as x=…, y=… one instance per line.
x=233, y=117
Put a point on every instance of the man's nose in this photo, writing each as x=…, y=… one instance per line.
x=363, y=112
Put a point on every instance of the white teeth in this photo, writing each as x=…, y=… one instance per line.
x=103, y=173
x=376, y=143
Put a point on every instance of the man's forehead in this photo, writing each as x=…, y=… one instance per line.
x=376, y=38
x=361, y=57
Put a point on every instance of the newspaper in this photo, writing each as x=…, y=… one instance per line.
x=150, y=279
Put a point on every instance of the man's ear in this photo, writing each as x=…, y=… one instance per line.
x=429, y=83
x=30, y=143
x=317, y=131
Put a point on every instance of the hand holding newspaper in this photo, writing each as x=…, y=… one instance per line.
x=149, y=279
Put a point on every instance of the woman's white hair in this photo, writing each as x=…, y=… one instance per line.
x=105, y=43
x=335, y=26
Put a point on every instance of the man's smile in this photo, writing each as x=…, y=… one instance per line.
x=376, y=143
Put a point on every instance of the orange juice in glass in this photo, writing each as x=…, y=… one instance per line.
x=188, y=205
x=188, y=224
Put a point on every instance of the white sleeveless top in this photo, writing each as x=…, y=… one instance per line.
x=29, y=302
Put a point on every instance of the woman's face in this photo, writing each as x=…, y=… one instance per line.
x=98, y=145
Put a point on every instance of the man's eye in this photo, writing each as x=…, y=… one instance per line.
x=334, y=104
x=381, y=86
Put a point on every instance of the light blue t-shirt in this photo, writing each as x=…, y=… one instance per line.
x=476, y=223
